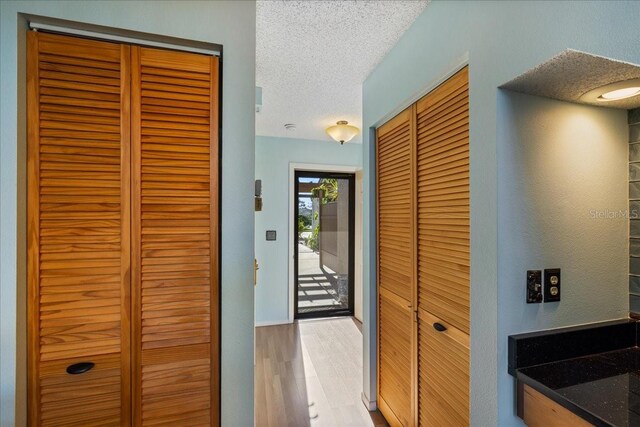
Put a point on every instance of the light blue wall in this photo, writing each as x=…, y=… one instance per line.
x=273, y=156
x=559, y=165
x=502, y=40
x=229, y=23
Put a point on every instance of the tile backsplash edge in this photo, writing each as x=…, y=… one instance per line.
x=634, y=212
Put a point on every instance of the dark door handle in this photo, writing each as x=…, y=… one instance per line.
x=80, y=368
x=439, y=327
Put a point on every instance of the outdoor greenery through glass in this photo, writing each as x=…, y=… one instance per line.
x=326, y=191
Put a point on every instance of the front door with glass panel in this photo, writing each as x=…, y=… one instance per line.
x=323, y=244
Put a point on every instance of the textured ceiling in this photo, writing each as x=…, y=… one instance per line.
x=570, y=74
x=313, y=56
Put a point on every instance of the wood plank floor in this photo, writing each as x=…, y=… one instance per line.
x=309, y=373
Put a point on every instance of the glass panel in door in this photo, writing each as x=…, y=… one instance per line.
x=324, y=244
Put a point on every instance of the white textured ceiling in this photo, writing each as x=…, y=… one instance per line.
x=313, y=56
x=571, y=73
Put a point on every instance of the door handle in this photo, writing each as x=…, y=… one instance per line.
x=439, y=327
x=256, y=267
x=80, y=368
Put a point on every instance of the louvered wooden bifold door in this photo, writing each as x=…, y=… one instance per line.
x=175, y=200
x=78, y=242
x=443, y=253
x=396, y=236
x=424, y=260
x=122, y=235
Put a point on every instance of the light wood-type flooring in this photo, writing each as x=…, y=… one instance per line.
x=309, y=373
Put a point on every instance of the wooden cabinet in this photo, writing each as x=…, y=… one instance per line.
x=122, y=234
x=424, y=259
x=540, y=411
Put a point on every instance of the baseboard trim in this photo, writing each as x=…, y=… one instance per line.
x=272, y=323
x=371, y=405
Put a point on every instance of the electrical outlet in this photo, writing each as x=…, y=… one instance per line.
x=551, y=284
x=534, y=286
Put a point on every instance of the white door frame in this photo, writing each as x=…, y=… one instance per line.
x=293, y=167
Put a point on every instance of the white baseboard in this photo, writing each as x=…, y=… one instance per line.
x=272, y=323
x=371, y=405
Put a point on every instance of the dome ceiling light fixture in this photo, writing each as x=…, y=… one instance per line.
x=614, y=91
x=342, y=131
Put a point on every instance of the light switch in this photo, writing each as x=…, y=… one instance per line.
x=534, y=286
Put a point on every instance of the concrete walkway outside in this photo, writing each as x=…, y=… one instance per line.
x=317, y=287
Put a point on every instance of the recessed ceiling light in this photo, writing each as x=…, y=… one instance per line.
x=626, y=92
x=290, y=126
x=613, y=91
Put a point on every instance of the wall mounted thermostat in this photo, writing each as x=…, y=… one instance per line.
x=551, y=284
x=271, y=234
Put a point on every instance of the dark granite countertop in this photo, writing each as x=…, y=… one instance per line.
x=604, y=389
x=592, y=370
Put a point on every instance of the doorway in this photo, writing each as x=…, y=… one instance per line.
x=324, y=213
